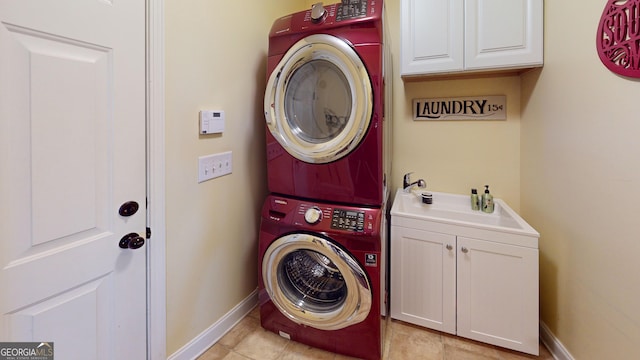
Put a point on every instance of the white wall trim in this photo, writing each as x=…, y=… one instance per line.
x=215, y=332
x=156, y=249
x=556, y=348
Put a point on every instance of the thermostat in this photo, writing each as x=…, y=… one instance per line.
x=211, y=122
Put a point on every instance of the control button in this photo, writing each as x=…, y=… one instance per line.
x=318, y=13
x=313, y=215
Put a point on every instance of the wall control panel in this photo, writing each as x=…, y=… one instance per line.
x=211, y=122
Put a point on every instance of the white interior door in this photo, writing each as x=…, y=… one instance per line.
x=72, y=150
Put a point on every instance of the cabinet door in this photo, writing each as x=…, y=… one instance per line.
x=432, y=36
x=498, y=294
x=423, y=278
x=503, y=33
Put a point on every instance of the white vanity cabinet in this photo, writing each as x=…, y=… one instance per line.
x=458, y=36
x=456, y=275
x=497, y=294
x=423, y=278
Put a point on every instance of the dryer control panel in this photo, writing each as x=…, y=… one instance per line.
x=320, y=18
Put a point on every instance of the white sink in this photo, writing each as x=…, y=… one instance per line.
x=456, y=210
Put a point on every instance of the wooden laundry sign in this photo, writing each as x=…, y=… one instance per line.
x=461, y=108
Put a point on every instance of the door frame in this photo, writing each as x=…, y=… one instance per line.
x=155, y=118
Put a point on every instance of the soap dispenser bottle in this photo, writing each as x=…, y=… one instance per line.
x=487, y=200
x=475, y=200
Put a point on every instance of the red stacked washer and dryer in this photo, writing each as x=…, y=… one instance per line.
x=322, y=243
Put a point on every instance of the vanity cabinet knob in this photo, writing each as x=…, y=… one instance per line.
x=464, y=250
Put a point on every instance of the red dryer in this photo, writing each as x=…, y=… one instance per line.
x=327, y=134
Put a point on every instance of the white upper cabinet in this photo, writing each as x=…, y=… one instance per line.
x=455, y=36
x=432, y=34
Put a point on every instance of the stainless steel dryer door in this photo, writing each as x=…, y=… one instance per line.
x=314, y=282
x=319, y=99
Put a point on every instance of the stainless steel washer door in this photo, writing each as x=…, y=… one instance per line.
x=314, y=282
x=319, y=100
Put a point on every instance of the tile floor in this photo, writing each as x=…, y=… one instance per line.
x=249, y=341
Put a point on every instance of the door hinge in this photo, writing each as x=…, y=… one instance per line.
x=148, y=233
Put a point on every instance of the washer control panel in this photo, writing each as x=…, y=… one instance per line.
x=347, y=220
x=352, y=9
x=324, y=217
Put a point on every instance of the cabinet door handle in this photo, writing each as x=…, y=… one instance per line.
x=449, y=247
x=464, y=250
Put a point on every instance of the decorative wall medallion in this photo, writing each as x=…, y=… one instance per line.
x=618, y=37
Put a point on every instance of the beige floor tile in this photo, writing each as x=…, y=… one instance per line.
x=261, y=345
x=245, y=327
x=255, y=313
x=515, y=355
x=457, y=353
x=411, y=343
x=216, y=352
x=298, y=351
x=387, y=342
x=484, y=351
x=396, y=326
x=235, y=356
x=249, y=341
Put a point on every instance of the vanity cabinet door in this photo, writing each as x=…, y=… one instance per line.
x=423, y=278
x=458, y=36
x=503, y=34
x=498, y=294
x=432, y=36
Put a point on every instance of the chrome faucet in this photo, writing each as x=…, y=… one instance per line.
x=407, y=184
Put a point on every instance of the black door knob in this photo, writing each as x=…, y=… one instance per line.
x=131, y=241
x=129, y=208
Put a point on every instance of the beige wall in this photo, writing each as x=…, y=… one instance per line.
x=581, y=187
x=455, y=156
x=566, y=157
x=212, y=227
x=215, y=59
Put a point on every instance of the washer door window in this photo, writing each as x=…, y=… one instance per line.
x=314, y=282
x=319, y=100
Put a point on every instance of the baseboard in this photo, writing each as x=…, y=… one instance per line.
x=215, y=332
x=556, y=348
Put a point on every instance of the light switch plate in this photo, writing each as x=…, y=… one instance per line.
x=214, y=165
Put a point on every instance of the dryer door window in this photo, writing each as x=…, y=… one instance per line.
x=319, y=100
x=314, y=282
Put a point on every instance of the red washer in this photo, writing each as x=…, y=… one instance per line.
x=327, y=136
x=321, y=275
